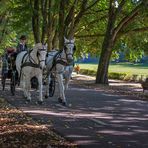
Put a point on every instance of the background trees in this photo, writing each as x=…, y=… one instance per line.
x=102, y=28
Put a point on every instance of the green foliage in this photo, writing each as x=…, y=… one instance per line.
x=117, y=75
x=89, y=32
x=18, y=14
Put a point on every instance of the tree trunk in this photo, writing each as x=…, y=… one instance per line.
x=102, y=72
x=108, y=43
x=36, y=22
x=49, y=26
x=55, y=41
x=107, y=46
x=3, y=23
x=44, y=23
x=61, y=24
x=112, y=32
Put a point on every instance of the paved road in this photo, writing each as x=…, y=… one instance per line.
x=95, y=118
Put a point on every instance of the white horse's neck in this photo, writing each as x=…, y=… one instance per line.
x=33, y=55
x=63, y=54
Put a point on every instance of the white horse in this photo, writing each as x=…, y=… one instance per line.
x=56, y=63
x=30, y=64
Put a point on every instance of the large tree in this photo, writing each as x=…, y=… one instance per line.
x=102, y=26
x=120, y=15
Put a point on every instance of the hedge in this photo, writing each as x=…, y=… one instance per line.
x=116, y=75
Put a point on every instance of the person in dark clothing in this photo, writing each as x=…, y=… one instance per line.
x=22, y=44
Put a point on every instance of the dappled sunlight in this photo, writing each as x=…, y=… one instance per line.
x=131, y=101
x=119, y=121
x=133, y=85
x=141, y=131
x=97, y=111
x=6, y=121
x=86, y=142
x=79, y=136
x=115, y=132
x=71, y=114
x=111, y=95
x=136, y=119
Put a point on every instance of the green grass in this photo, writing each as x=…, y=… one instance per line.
x=134, y=69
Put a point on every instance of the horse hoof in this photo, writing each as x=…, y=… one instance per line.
x=40, y=102
x=60, y=100
x=64, y=103
x=46, y=96
x=28, y=101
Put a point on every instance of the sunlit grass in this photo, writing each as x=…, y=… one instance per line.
x=137, y=69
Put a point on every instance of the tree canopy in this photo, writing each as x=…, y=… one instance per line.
x=101, y=27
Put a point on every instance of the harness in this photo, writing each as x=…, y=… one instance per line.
x=30, y=63
x=58, y=60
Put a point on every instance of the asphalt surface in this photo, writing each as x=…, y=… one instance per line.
x=94, y=118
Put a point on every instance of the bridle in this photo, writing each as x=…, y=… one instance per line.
x=38, y=53
x=65, y=50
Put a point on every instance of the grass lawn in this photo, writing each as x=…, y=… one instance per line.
x=138, y=69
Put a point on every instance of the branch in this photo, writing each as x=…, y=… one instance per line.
x=95, y=11
x=90, y=35
x=83, y=10
x=89, y=24
x=126, y=20
x=80, y=14
x=69, y=18
x=120, y=7
x=89, y=7
x=143, y=29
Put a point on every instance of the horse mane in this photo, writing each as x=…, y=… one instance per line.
x=37, y=46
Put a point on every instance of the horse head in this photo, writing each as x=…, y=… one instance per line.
x=69, y=49
x=41, y=51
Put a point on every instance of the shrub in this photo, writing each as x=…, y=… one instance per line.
x=128, y=77
x=88, y=72
x=114, y=75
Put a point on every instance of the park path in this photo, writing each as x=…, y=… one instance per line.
x=95, y=118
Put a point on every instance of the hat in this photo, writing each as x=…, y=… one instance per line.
x=23, y=37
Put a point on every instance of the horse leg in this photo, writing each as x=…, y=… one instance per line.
x=40, y=90
x=23, y=84
x=62, y=98
x=47, y=86
x=67, y=78
x=28, y=85
x=68, y=74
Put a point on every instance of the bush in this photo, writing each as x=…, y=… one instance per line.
x=118, y=76
x=128, y=77
x=88, y=72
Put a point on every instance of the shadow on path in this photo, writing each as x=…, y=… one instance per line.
x=94, y=118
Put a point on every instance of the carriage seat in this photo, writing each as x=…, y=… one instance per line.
x=8, y=60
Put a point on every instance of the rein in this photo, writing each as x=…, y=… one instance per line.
x=62, y=60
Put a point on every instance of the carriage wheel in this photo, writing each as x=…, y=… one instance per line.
x=12, y=85
x=3, y=81
x=52, y=86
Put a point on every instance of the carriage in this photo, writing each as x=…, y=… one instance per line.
x=8, y=69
